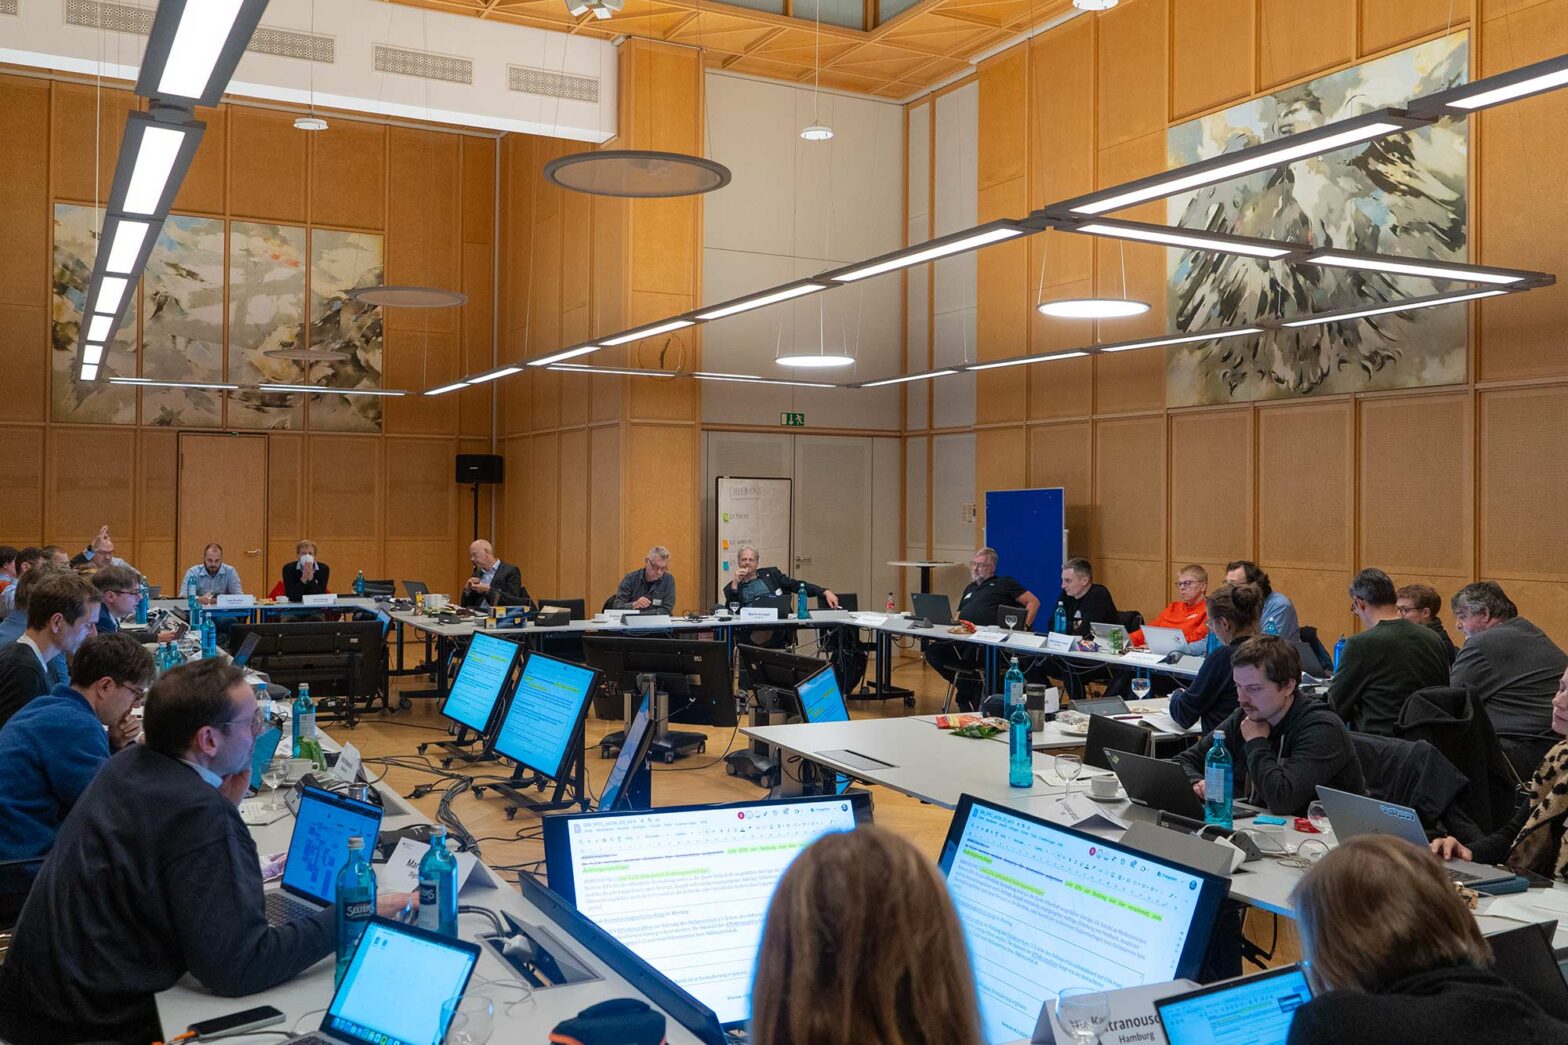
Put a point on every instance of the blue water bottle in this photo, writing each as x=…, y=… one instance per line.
x=1020, y=751
x=356, y=903
x=1211, y=643
x=1219, y=781
x=801, y=610
x=209, y=637
x=141, y=604
x=1339, y=649
x=438, y=886
x=304, y=717
x=193, y=608
x=359, y=583
x=1271, y=626
x=1059, y=620
x=160, y=660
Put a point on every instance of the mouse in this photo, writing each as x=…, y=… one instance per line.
x=1172, y=657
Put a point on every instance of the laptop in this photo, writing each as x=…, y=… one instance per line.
x=242, y=655
x=1103, y=632
x=397, y=988
x=1252, y=1010
x=412, y=588
x=1523, y=956
x=1162, y=785
x=935, y=608
x=783, y=604
x=261, y=755
x=1164, y=640
x=317, y=850
x=1021, y=612
x=1351, y=815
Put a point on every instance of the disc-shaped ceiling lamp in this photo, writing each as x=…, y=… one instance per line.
x=637, y=173
x=1093, y=308
x=409, y=297
x=821, y=358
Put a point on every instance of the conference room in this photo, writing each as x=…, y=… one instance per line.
x=1061, y=491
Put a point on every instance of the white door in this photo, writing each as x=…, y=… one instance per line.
x=833, y=512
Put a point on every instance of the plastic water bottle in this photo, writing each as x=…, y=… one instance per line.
x=1013, y=686
x=1020, y=753
x=209, y=637
x=359, y=583
x=304, y=719
x=193, y=608
x=1219, y=781
x=1339, y=649
x=160, y=660
x=1271, y=626
x=438, y=886
x=1211, y=643
x=141, y=604
x=1059, y=619
x=356, y=903
x=891, y=605
x=802, y=612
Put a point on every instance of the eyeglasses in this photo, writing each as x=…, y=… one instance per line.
x=1188, y=584
x=256, y=722
x=133, y=591
x=138, y=692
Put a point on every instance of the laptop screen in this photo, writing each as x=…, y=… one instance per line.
x=820, y=698
x=634, y=747
x=1045, y=907
x=322, y=827
x=242, y=655
x=1254, y=1010
x=486, y=667
x=545, y=713
x=397, y=985
x=261, y=755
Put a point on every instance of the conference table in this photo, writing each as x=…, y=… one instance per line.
x=262, y=610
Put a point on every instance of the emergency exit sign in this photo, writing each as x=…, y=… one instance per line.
x=792, y=420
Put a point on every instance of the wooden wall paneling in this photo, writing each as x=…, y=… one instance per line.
x=431, y=561
x=545, y=509
x=25, y=216
x=1062, y=388
x=1523, y=501
x=1212, y=59
x=576, y=389
x=75, y=151
x=423, y=243
x=1132, y=50
x=1127, y=381
x=1129, y=489
x=1416, y=476
x=611, y=260
x=574, y=511
x=1143, y=263
x=606, y=564
x=1211, y=472
x=1306, y=482
x=1296, y=40
x=1004, y=109
x=416, y=360
x=518, y=522
x=1062, y=144
x=157, y=488
x=1322, y=599
x=90, y=479
x=576, y=252
x=267, y=166
x=421, y=496
x=516, y=232
x=479, y=188
x=345, y=490
x=204, y=189
x=544, y=320
x=22, y=478
x=1063, y=455
x=1002, y=308
x=1520, y=144
x=660, y=489
x=664, y=399
x=1135, y=584
x=1386, y=24
x=490, y=504
x=1001, y=463
x=24, y=336
x=478, y=343
x=285, y=484
x=348, y=175
x=1543, y=602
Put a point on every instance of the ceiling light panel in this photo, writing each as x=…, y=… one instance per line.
x=1344, y=315
x=570, y=353
x=194, y=46
x=130, y=241
x=1184, y=238
x=928, y=375
x=1026, y=359
x=1415, y=267
x=154, y=158
x=1182, y=339
x=639, y=334
x=505, y=371
x=111, y=294
x=957, y=243
x=1523, y=82
x=447, y=388
x=772, y=297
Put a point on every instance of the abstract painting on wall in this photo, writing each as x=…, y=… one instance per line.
x=340, y=262
x=266, y=315
x=1405, y=194
x=75, y=247
x=182, y=328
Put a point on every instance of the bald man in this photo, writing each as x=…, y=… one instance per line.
x=494, y=583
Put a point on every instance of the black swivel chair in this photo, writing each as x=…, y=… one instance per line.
x=1108, y=733
x=378, y=587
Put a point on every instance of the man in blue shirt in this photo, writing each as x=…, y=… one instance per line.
x=211, y=577
x=1279, y=613
x=51, y=749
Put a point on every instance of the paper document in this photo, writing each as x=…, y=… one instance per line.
x=1076, y=810
x=1166, y=724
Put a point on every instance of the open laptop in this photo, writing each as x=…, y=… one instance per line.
x=936, y=608
x=261, y=754
x=1252, y=1010
x=1102, y=632
x=396, y=988
x=1523, y=956
x=1352, y=815
x=1164, y=640
x=242, y=655
x=1162, y=785
x=412, y=588
x=317, y=850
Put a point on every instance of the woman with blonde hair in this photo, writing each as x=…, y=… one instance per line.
x=1393, y=952
x=862, y=946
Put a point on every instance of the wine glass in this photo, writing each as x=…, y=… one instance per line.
x=1083, y=1013
x=1141, y=685
x=473, y=1019
x=271, y=777
x=1317, y=816
x=734, y=608
x=1011, y=620
x=1068, y=767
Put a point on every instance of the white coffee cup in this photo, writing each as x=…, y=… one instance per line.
x=434, y=601
x=294, y=769
x=1104, y=786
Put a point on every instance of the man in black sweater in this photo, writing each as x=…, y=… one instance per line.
x=1381, y=666
x=1282, y=744
x=62, y=610
x=1081, y=602
x=154, y=875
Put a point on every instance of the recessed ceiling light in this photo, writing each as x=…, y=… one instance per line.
x=1093, y=308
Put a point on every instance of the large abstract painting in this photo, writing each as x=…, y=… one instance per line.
x=266, y=314
x=1405, y=194
x=182, y=325
x=339, y=263
x=75, y=247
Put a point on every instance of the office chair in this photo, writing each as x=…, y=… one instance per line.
x=1108, y=733
x=1131, y=620
x=379, y=587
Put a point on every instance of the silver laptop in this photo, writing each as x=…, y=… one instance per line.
x=1103, y=632
x=318, y=849
x=1351, y=815
x=1164, y=640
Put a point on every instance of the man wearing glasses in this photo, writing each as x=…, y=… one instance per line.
x=52, y=748
x=119, y=590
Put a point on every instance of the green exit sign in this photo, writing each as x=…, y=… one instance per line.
x=792, y=420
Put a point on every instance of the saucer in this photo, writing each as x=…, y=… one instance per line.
x=1117, y=797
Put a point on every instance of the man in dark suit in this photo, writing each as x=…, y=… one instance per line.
x=306, y=575
x=494, y=583
x=753, y=582
x=62, y=611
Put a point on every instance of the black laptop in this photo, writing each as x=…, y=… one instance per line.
x=1162, y=785
x=413, y=588
x=936, y=608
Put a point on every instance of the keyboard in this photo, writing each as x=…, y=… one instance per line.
x=1462, y=877
x=283, y=908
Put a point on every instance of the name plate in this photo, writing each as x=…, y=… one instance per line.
x=235, y=601
x=759, y=613
x=1059, y=643
x=326, y=599
x=647, y=620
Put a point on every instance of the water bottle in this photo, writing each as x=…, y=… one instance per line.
x=1013, y=686
x=209, y=637
x=160, y=660
x=1219, y=779
x=1211, y=643
x=141, y=604
x=1020, y=754
x=193, y=608
x=304, y=719
x=438, y=886
x=1339, y=648
x=1059, y=619
x=801, y=610
x=359, y=583
x=356, y=903
x=891, y=605
x=1271, y=626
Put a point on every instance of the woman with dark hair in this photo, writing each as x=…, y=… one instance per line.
x=1278, y=616
x=862, y=946
x=1392, y=952
x=1233, y=618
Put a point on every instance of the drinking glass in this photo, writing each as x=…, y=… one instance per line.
x=473, y=1019
x=1141, y=685
x=271, y=777
x=1083, y=1013
x=1011, y=620
x=1068, y=767
x=734, y=609
x=1317, y=816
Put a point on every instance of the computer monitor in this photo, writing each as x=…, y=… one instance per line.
x=319, y=846
x=487, y=667
x=542, y=723
x=776, y=668
x=704, y=934
x=820, y=698
x=1045, y=907
x=634, y=753
x=397, y=986
x=694, y=672
x=1254, y=1010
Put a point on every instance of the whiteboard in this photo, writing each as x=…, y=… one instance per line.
x=756, y=512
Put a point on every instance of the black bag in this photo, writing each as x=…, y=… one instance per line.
x=842, y=645
x=619, y=1021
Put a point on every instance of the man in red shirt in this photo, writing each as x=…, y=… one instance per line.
x=1189, y=612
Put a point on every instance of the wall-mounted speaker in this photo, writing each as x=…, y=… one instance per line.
x=480, y=468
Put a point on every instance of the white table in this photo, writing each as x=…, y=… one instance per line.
x=925, y=566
